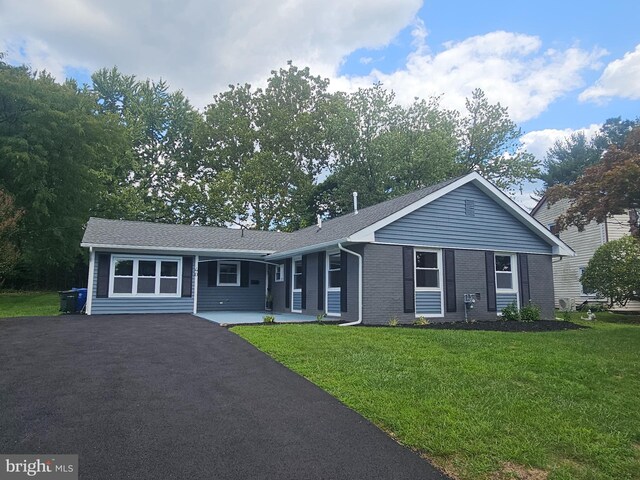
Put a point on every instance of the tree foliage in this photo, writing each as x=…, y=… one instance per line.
x=610, y=187
x=9, y=218
x=567, y=159
x=489, y=144
x=614, y=271
x=154, y=177
x=53, y=150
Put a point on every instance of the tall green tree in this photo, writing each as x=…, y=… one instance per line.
x=490, y=145
x=265, y=148
x=566, y=160
x=156, y=178
x=53, y=150
x=382, y=149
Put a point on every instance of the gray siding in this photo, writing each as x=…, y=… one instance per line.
x=382, y=276
x=138, y=305
x=541, y=284
x=250, y=298
x=383, y=294
x=428, y=303
x=311, y=284
x=505, y=299
x=443, y=223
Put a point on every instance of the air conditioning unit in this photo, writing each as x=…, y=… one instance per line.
x=567, y=304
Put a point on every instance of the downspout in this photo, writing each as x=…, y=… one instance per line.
x=89, y=304
x=359, y=321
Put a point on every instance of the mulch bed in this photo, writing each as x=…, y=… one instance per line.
x=498, y=326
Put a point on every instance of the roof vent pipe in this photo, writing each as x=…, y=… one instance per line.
x=319, y=222
x=355, y=203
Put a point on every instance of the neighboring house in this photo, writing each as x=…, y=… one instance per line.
x=568, y=270
x=414, y=255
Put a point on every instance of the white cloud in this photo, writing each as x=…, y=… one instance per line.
x=621, y=78
x=538, y=142
x=510, y=67
x=200, y=46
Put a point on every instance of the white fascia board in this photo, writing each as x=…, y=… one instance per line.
x=309, y=248
x=558, y=246
x=175, y=250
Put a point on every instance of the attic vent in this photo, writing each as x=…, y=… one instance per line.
x=470, y=208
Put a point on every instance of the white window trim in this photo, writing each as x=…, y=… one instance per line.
x=514, y=273
x=326, y=282
x=134, y=278
x=293, y=281
x=440, y=289
x=228, y=262
x=280, y=271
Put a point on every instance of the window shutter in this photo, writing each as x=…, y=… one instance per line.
x=303, y=287
x=244, y=274
x=450, y=279
x=287, y=283
x=407, y=279
x=523, y=274
x=104, y=267
x=490, y=267
x=321, y=274
x=187, y=276
x=344, y=257
x=212, y=274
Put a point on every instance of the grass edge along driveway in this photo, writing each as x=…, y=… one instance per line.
x=559, y=405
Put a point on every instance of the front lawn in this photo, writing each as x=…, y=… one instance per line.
x=484, y=404
x=28, y=304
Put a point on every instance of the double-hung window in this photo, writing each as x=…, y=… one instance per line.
x=145, y=276
x=505, y=272
x=228, y=274
x=333, y=271
x=427, y=269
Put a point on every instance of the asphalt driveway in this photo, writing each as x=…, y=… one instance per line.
x=178, y=397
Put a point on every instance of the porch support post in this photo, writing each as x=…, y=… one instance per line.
x=92, y=265
x=196, y=267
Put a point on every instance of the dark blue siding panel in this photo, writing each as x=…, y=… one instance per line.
x=428, y=303
x=333, y=304
x=505, y=299
x=297, y=301
x=250, y=298
x=443, y=223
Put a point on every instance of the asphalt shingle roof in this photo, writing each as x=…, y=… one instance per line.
x=100, y=231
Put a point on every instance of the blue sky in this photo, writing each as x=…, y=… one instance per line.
x=558, y=66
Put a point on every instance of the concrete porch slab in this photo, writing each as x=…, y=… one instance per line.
x=238, y=318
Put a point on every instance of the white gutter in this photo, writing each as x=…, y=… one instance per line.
x=92, y=256
x=359, y=321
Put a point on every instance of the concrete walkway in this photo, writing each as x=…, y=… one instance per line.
x=238, y=318
x=177, y=397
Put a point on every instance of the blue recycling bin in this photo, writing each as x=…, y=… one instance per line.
x=82, y=298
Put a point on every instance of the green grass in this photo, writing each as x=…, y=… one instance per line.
x=28, y=304
x=567, y=403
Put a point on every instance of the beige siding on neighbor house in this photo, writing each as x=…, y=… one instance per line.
x=566, y=270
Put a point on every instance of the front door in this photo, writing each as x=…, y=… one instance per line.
x=296, y=283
